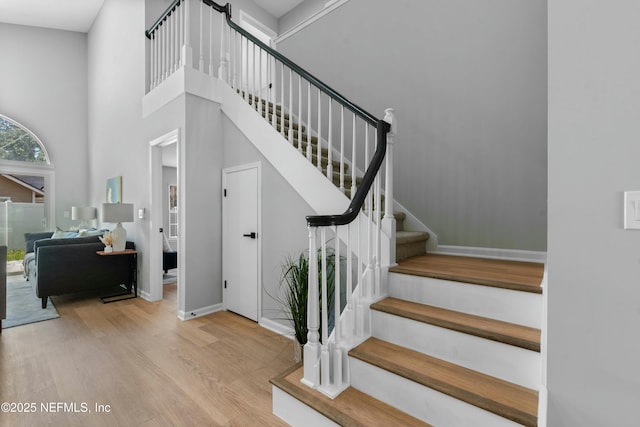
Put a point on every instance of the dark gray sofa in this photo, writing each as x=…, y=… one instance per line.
x=62, y=266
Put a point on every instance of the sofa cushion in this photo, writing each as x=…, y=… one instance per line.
x=30, y=238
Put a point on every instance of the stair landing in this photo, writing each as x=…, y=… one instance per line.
x=515, y=275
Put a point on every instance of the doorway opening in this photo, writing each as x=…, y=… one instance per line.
x=165, y=217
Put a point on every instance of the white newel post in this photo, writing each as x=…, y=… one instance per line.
x=312, y=347
x=389, y=221
x=187, y=54
x=223, y=69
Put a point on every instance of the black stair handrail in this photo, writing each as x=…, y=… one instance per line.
x=382, y=127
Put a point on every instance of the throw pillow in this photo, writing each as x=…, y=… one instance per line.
x=166, y=246
x=63, y=234
x=90, y=232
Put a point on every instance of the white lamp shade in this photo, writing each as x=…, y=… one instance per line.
x=83, y=213
x=117, y=212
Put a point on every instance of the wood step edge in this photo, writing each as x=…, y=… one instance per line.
x=495, y=330
x=508, y=400
x=412, y=266
x=350, y=409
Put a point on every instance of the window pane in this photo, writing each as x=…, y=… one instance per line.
x=18, y=143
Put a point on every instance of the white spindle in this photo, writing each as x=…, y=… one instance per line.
x=181, y=30
x=174, y=35
x=152, y=47
x=165, y=69
x=389, y=221
x=337, y=352
x=378, y=206
x=253, y=75
x=201, y=62
x=282, y=101
x=319, y=147
x=342, y=148
x=300, y=113
x=273, y=91
x=370, y=222
x=177, y=36
x=290, y=106
x=353, y=157
x=260, y=80
x=187, y=55
x=330, y=142
x=309, y=147
x=245, y=69
x=312, y=347
x=221, y=74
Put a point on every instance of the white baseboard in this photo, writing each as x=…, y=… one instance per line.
x=508, y=254
x=276, y=327
x=144, y=295
x=192, y=314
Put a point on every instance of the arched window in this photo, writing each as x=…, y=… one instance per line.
x=20, y=144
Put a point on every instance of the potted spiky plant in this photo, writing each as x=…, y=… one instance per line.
x=295, y=279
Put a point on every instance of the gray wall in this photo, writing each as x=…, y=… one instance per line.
x=594, y=265
x=284, y=231
x=299, y=13
x=43, y=86
x=468, y=82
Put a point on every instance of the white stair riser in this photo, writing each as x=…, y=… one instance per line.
x=295, y=413
x=419, y=401
x=510, y=363
x=518, y=307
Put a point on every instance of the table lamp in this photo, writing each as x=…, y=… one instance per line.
x=84, y=214
x=118, y=213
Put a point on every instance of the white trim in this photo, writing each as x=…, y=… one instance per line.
x=156, y=218
x=144, y=295
x=328, y=8
x=225, y=172
x=45, y=170
x=508, y=254
x=245, y=18
x=278, y=328
x=192, y=314
x=33, y=135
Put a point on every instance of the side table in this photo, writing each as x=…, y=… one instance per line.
x=133, y=276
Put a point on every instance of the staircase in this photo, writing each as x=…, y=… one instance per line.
x=434, y=340
x=408, y=243
x=456, y=343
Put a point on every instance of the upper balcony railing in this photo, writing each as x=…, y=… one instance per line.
x=337, y=136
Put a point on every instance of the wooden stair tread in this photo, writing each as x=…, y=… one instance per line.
x=411, y=236
x=500, y=397
x=350, y=408
x=516, y=275
x=483, y=327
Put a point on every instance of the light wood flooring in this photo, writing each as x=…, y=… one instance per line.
x=150, y=368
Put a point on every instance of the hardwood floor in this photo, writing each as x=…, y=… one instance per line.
x=150, y=368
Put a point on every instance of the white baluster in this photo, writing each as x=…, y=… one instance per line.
x=180, y=38
x=337, y=352
x=300, y=113
x=389, y=221
x=152, y=70
x=273, y=90
x=176, y=39
x=359, y=306
x=290, y=106
x=253, y=75
x=330, y=142
x=187, y=54
x=309, y=147
x=312, y=347
x=353, y=157
x=369, y=204
x=282, y=101
x=319, y=147
x=245, y=69
x=260, y=84
x=174, y=52
x=222, y=68
x=341, y=148
x=201, y=62
x=378, y=207
x=165, y=71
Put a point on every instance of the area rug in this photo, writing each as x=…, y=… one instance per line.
x=23, y=306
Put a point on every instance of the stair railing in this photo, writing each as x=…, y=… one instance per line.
x=333, y=133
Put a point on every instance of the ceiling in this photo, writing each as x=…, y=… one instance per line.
x=78, y=15
x=277, y=8
x=71, y=15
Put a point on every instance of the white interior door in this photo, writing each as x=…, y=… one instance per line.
x=241, y=237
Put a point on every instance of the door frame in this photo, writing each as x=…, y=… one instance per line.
x=225, y=171
x=156, y=217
